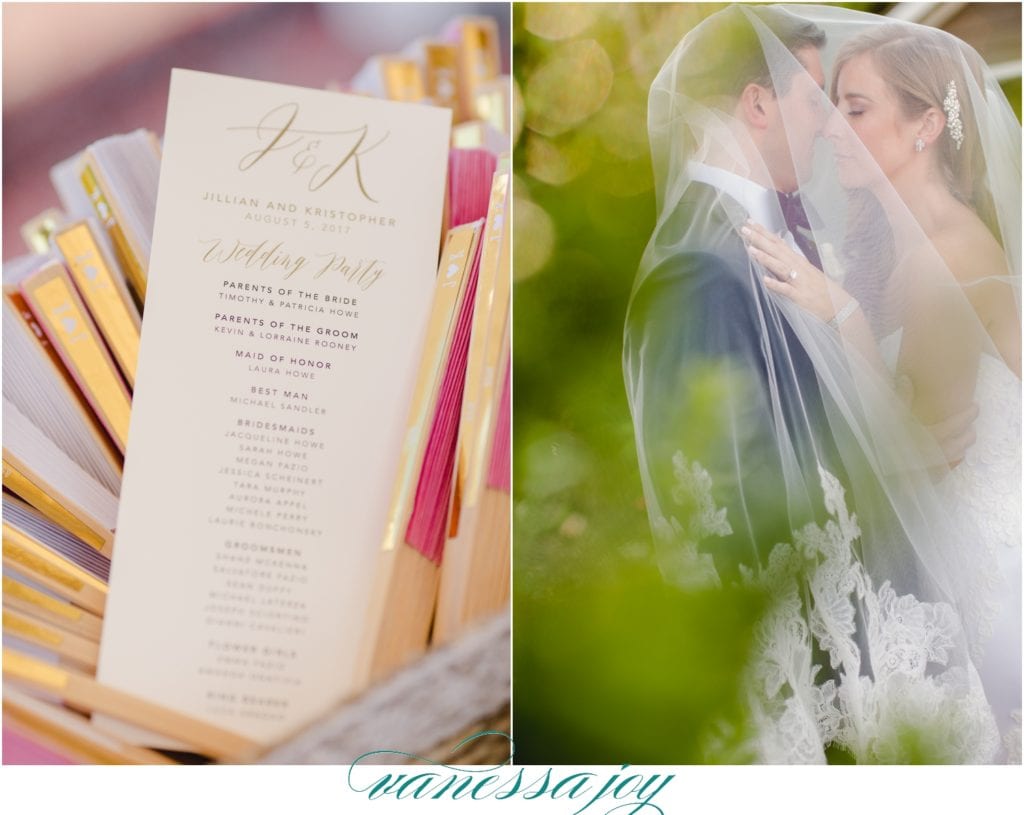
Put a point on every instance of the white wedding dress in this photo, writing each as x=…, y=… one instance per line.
x=983, y=494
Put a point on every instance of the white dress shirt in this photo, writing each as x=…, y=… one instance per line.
x=761, y=204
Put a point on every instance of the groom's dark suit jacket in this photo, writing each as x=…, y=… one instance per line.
x=716, y=359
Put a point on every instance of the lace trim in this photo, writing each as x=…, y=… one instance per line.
x=690, y=568
x=1012, y=739
x=892, y=691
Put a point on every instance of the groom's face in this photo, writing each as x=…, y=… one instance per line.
x=796, y=123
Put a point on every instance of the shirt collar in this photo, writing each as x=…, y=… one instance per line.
x=760, y=203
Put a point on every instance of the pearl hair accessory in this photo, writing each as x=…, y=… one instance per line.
x=951, y=105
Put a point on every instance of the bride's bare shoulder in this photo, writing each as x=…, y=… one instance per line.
x=978, y=263
x=968, y=248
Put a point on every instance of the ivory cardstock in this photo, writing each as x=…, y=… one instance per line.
x=293, y=263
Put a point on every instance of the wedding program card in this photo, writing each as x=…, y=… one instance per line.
x=290, y=282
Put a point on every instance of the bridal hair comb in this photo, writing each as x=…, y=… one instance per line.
x=951, y=105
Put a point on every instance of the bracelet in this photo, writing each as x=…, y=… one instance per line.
x=843, y=314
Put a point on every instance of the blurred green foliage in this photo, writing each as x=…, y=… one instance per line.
x=616, y=667
x=1012, y=89
x=611, y=664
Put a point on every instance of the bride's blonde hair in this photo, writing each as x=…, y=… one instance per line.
x=918, y=64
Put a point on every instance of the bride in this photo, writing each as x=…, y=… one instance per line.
x=897, y=91
x=831, y=476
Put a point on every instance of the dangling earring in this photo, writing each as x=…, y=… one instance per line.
x=918, y=145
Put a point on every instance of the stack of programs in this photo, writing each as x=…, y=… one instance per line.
x=256, y=409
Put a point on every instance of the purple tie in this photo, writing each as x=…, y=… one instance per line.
x=799, y=226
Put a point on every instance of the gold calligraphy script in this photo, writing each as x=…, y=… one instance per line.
x=270, y=256
x=318, y=154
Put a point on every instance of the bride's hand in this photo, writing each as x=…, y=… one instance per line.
x=792, y=275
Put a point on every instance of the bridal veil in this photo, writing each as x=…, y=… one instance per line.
x=818, y=474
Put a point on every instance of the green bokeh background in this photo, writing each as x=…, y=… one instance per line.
x=610, y=664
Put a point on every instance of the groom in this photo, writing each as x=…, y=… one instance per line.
x=701, y=310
